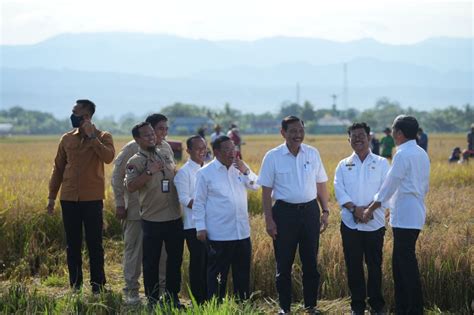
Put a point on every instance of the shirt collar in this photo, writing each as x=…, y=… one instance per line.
x=285, y=150
x=408, y=143
x=355, y=157
x=219, y=165
x=193, y=164
x=147, y=153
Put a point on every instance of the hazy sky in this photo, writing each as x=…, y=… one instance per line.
x=398, y=21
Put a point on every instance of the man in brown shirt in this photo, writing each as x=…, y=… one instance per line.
x=151, y=172
x=79, y=170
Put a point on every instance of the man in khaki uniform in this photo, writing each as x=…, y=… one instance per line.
x=151, y=172
x=128, y=210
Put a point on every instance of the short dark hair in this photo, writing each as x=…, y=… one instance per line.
x=189, y=141
x=358, y=125
x=88, y=105
x=216, y=145
x=154, y=119
x=136, y=128
x=408, y=125
x=288, y=120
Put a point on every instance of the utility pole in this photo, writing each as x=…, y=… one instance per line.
x=297, y=93
x=334, y=98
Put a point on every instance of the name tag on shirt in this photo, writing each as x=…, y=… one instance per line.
x=165, y=185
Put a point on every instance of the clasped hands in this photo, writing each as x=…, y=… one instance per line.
x=362, y=214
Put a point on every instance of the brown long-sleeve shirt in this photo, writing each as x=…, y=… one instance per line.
x=79, y=166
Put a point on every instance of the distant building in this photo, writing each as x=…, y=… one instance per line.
x=264, y=126
x=189, y=125
x=5, y=129
x=331, y=125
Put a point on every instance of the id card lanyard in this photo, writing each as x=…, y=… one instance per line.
x=165, y=182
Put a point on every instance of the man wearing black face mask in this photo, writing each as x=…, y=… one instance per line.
x=79, y=170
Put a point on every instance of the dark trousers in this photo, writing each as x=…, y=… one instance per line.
x=221, y=256
x=406, y=276
x=360, y=245
x=154, y=235
x=297, y=226
x=197, y=265
x=77, y=214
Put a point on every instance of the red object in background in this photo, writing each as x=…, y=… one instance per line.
x=177, y=148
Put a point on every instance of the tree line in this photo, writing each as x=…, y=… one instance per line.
x=449, y=119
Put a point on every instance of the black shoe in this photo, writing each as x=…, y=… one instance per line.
x=311, y=310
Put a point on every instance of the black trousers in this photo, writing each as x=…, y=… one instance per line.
x=154, y=235
x=406, y=276
x=221, y=256
x=297, y=227
x=77, y=214
x=197, y=265
x=360, y=245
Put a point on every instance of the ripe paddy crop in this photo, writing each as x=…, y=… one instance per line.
x=32, y=256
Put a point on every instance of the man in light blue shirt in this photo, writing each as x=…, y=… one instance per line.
x=358, y=178
x=405, y=187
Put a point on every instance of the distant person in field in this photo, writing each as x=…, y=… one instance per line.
x=79, y=170
x=185, y=181
x=220, y=212
x=422, y=139
x=455, y=155
x=374, y=144
x=151, y=172
x=234, y=135
x=217, y=133
x=358, y=178
x=127, y=209
x=405, y=186
x=387, y=144
x=293, y=175
x=470, y=141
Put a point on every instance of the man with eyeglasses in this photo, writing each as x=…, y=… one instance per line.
x=128, y=210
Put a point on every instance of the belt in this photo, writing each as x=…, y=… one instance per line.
x=303, y=205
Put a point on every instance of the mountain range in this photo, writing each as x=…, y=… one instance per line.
x=133, y=72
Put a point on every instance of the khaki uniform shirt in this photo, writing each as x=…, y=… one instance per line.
x=79, y=166
x=155, y=205
x=123, y=198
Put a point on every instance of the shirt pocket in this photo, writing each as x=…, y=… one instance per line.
x=349, y=175
x=283, y=174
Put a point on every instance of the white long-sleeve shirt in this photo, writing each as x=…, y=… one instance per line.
x=406, y=185
x=358, y=182
x=185, y=182
x=220, y=202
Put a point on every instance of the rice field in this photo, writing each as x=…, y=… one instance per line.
x=33, y=272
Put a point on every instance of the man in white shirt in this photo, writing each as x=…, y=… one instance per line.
x=185, y=182
x=406, y=185
x=293, y=175
x=216, y=134
x=221, y=217
x=358, y=178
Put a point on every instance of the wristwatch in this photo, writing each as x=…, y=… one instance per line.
x=149, y=173
x=247, y=171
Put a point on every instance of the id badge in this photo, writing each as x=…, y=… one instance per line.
x=165, y=185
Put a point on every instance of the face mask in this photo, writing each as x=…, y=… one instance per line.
x=76, y=121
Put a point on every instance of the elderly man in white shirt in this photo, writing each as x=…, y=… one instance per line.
x=293, y=175
x=406, y=186
x=185, y=182
x=221, y=217
x=358, y=178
